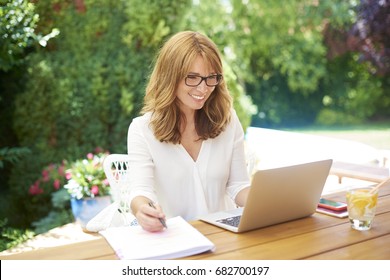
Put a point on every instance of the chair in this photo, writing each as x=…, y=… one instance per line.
x=116, y=168
x=363, y=172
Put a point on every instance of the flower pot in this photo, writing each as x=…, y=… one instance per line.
x=86, y=208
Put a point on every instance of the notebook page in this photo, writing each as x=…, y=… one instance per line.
x=180, y=239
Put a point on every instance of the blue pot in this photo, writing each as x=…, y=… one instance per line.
x=86, y=208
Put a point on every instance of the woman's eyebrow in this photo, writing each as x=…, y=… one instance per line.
x=196, y=73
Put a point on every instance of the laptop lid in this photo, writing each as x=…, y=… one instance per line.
x=278, y=195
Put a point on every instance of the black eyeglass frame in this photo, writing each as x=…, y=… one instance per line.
x=218, y=76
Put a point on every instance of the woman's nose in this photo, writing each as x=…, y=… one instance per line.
x=202, y=87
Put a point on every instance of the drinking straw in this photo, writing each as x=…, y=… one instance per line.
x=373, y=190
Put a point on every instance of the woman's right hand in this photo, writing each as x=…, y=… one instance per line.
x=147, y=216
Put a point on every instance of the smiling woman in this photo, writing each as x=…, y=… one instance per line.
x=187, y=56
x=193, y=93
x=188, y=124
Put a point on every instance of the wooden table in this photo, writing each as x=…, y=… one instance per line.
x=316, y=237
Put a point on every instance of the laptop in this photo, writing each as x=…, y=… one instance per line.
x=276, y=195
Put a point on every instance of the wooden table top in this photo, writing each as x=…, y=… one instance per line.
x=316, y=237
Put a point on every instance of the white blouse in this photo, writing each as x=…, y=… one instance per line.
x=167, y=174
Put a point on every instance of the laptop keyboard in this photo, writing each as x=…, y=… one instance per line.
x=231, y=221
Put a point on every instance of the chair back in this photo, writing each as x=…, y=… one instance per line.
x=116, y=168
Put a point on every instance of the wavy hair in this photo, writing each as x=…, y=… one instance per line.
x=171, y=67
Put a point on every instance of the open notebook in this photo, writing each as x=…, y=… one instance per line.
x=180, y=239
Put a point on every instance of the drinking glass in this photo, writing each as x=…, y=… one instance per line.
x=361, y=207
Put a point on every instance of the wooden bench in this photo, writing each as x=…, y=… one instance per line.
x=359, y=171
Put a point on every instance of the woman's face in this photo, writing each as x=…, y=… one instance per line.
x=193, y=98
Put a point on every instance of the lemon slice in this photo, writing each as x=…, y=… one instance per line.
x=374, y=200
x=360, y=203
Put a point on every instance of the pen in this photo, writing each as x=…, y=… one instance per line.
x=161, y=220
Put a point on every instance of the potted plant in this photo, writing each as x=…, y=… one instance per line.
x=88, y=187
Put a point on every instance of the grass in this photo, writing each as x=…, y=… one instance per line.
x=376, y=135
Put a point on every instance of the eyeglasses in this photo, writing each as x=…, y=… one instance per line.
x=195, y=80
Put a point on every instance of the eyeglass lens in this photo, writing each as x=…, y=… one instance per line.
x=195, y=80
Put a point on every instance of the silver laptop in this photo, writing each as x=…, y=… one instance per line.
x=277, y=195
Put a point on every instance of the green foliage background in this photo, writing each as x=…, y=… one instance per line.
x=73, y=73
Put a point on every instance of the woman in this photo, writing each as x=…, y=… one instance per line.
x=186, y=150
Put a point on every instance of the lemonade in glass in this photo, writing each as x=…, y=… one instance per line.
x=361, y=207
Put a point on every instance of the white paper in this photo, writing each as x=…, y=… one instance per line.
x=180, y=239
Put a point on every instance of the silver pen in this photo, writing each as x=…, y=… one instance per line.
x=151, y=204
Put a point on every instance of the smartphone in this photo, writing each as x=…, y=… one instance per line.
x=332, y=205
x=338, y=214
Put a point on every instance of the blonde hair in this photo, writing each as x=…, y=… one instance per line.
x=172, y=65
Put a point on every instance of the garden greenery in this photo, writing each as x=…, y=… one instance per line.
x=73, y=74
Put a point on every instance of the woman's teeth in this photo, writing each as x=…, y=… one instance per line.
x=198, y=97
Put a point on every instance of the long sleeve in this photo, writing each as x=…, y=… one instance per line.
x=167, y=174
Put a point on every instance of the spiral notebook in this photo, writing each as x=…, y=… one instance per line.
x=179, y=240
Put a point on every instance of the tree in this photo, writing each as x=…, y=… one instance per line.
x=281, y=58
x=370, y=35
x=18, y=21
x=85, y=86
x=359, y=63
x=213, y=18
x=285, y=57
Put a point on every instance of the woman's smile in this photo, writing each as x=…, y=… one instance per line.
x=197, y=97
